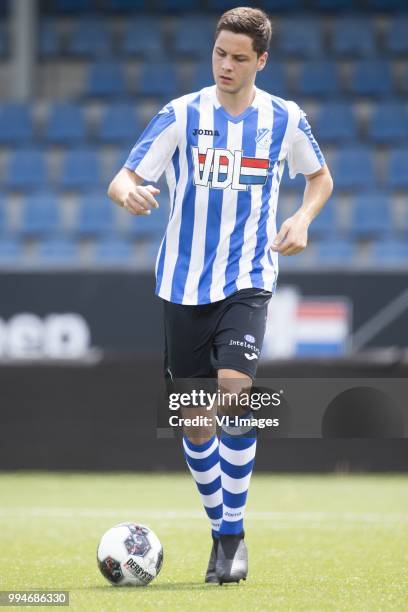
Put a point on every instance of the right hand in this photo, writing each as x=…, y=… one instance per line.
x=140, y=200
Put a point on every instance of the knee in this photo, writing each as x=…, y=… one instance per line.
x=234, y=392
x=199, y=437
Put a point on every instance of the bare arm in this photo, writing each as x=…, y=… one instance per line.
x=126, y=189
x=292, y=236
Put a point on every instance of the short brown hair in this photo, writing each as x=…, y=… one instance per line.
x=250, y=21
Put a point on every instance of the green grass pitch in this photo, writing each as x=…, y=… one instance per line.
x=330, y=542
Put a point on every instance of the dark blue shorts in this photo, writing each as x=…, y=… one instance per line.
x=199, y=340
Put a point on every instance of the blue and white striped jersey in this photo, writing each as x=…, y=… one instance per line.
x=223, y=174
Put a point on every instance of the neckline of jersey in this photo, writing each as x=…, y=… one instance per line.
x=241, y=116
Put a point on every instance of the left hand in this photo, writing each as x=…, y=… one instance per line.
x=292, y=236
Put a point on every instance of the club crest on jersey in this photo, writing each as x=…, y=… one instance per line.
x=263, y=138
x=220, y=168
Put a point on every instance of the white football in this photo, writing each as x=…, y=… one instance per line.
x=130, y=554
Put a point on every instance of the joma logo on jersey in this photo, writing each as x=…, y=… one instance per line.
x=200, y=132
x=220, y=168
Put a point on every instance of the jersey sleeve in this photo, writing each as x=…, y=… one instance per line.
x=155, y=147
x=304, y=155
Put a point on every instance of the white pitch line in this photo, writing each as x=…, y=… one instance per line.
x=139, y=513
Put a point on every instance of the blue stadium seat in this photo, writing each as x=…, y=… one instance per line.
x=396, y=40
x=293, y=263
x=16, y=125
x=26, y=169
x=335, y=122
x=281, y=5
x=95, y=215
x=57, y=251
x=193, y=35
x=389, y=123
x=48, y=41
x=397, y=165
x=353, y=168
x=173, y=6
x=152, y=226
x=219, y=5
x=353, y=37
x=318, y=78
x=157, y=79
x=124, y=6
x=325, y=224
x=371, y=78
x=333, y=5
x=402, y=226
x=110, y=251
x=40, y=215
x=300, y=37
x=387, y=5
x=11, y=251
x=73, y=6
x=138, y=39
x=90, y=37
x=80, y=169
x=370, y=215
x=203, y=76
x=3, y=40
x=272, y=79
x=65, y=124
x=3, y=215
x=105, y=79
x=119, y=123
x=390, y=252
x=334, y=252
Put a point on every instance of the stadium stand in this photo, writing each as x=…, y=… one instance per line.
x=335, y=122
x=57, y=251
x=119, y=124
x=300, y=38
x=66, y=124
x=397, y=175
x=396, y=41
x=371, y=216
x=95, y=216
x=338, y=252
x=192, y=36
x=16, y=125
x=389, y=123
x=371, y=78
x=80, y=169
x=40, y=216
x=105, y=79
x=353, y=38
x=11, y=251
x=326, y=224
x=390, y=253
x=112, y=251
x=138, y=40
x=26, y=169
x=89, y=38
x=346, y=66
x=318, y=78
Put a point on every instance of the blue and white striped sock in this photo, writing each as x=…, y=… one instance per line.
x=237, y=458
x=203, y=461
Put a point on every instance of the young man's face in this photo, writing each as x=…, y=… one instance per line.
x=234, y=61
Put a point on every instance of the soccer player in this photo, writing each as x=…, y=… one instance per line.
x=223, y=150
